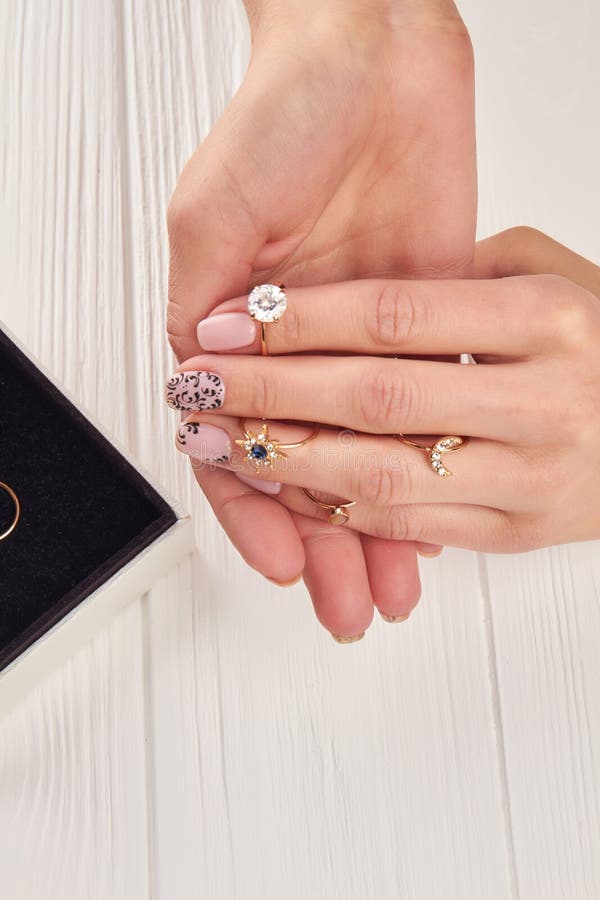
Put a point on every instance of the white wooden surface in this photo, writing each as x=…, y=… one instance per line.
x=214, y=742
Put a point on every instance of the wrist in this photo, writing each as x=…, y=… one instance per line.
x=390, y=12
x=358, y=22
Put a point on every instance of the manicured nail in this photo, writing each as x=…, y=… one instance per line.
x=194, y=390
x=204, y=442
x=226, y=331
x=429, y=550
x=267, y=487
x=387, y=618
x=348, y=640
x=284, y=583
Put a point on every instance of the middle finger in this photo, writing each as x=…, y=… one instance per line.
x=370, y=394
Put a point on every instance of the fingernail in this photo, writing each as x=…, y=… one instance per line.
x=429, y=550
x=204, y=442
x=284, y=583
x=348, y=640
x=194, y=390
x=387, y=618
x=267, y=487
x=226, y=331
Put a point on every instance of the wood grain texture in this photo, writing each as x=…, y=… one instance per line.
x=214, y=742
x=72, y=758
x=538, y=81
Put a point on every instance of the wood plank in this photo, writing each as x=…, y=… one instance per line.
x=538, y=77
x=73, y=801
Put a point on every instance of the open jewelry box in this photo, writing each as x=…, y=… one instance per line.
x=93, y=531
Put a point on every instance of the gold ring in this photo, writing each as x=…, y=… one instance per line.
x=337, y=511
x=447, y=444
x=266, y=303
x=263, y=450
x=8, y=490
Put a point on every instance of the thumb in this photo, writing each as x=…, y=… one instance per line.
x=213, y=238
x=246, y=199
x=526, y=251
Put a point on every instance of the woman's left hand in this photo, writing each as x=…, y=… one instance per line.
x=530, y=476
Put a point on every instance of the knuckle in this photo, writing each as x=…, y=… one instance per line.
x=399, y=526
x=397, y=318
x=386, y=400
x=520, y=534
x=288, y=328
x=377, y=485
x=262, y=394
x=407, y=523
x=569, y=312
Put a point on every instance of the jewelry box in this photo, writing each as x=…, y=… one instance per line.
x=93, y=531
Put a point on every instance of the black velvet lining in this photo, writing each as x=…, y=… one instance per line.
x=85, y=511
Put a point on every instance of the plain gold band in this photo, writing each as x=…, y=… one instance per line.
x=8, y=490
x=337, y=515
x=263, y=340
x=293, y=446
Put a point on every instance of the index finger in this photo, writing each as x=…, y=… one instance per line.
x=507, y=317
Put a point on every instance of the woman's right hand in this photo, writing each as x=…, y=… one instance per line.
x=348, y=152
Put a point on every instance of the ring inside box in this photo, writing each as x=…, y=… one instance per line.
x=85, y=510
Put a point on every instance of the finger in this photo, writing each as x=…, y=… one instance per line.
x=274, y=549
x=393, y=576
x=391, y=317
x=377, y=471
x=336, y=577
x=471, y=527
x=526, y=251
x=379, y=396
x=429, y=550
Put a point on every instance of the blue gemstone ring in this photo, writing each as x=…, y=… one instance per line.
x=263, y=450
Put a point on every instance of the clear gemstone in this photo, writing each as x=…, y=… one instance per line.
x=267, y=303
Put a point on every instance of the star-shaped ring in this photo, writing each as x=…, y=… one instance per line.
x=263, y=450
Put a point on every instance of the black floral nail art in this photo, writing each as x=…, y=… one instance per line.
x=195, y=390
x=184, y=431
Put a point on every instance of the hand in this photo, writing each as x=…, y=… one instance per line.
x=348, y=152
x=530, y=476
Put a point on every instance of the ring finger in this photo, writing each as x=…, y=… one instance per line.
x=376, y=471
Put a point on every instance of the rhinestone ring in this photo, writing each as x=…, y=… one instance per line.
x=263, y=450
x=266, y=303
x=447, y=444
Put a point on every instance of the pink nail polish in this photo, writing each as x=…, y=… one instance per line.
x=267, y=487
x=226, y=331
x=204, y=442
